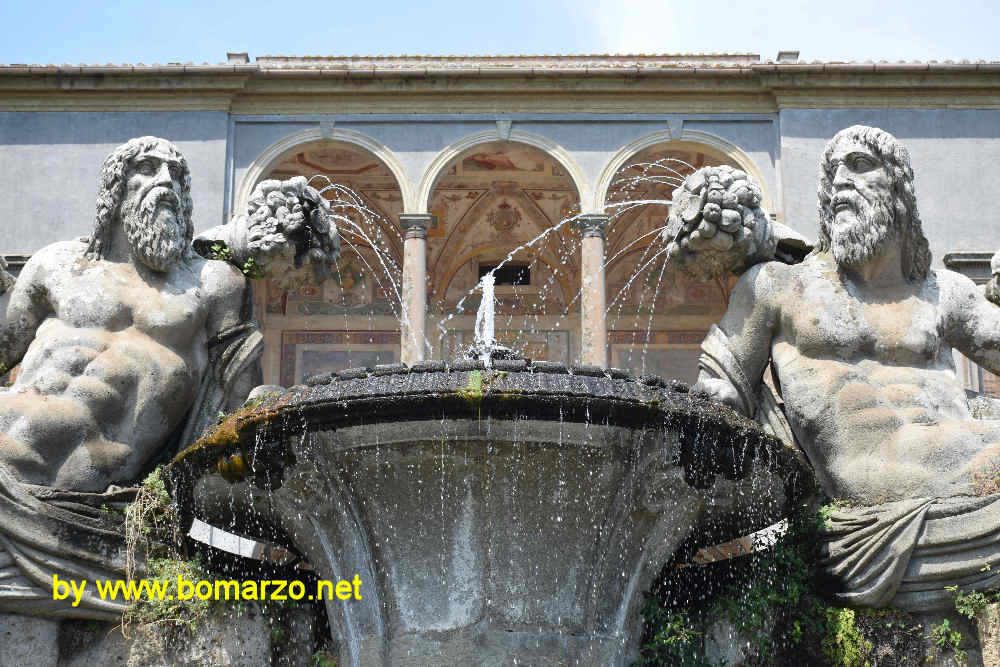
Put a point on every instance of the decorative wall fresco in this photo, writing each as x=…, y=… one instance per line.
x=545, y=345
x=672, y=354
x=307, y=353
x=494, y=198
x=505, y=156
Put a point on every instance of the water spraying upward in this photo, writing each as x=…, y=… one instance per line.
x=484, y=319
x=485, y=347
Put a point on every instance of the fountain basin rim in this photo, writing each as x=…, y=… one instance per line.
x=635, y=403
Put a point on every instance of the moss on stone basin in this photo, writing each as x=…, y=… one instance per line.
x=516, y=510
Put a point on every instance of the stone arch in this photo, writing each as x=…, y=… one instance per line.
x=627, y=152
x=555, y=151
x=274, y=153
x=476, y=192
x=351, y=318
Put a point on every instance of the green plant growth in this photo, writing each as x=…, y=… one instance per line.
x=223, y=253
x=675, y=640
x=182, y=614
x=152, y=531
x=970, y=604
x=775, y=608
x=322, y=658
x=251, y=269
x=946, y=638
x=843, y=643
x=151, y=521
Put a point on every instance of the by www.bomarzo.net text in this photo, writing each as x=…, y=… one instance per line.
x=74, y=590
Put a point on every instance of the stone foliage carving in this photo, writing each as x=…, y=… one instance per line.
x=992, y=288
x=288, y=234
x=716, y=226
x=858, y=339
x=6, y=280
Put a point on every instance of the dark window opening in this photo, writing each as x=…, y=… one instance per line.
x=508, y=274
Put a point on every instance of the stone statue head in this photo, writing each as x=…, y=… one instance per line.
x=866, y=195
x=145, y=186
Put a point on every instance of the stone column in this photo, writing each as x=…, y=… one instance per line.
x=414, y=316
x=594, y=329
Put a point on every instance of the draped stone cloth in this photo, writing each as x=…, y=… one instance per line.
x=903, y=553
x=231, y=353
x=46, y=531
x=906, y=553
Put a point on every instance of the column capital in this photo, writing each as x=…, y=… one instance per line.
x=592, y=224
x=415, y=225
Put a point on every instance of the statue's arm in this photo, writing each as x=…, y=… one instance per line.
x=735, y=355
x=27, y=307
x=226, y=313
x=972, y=324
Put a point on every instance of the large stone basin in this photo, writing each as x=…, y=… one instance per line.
x=504, y=516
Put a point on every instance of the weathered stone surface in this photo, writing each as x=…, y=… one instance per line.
x=988, y=626
x=859, y=338
x=6, y=279
x=724, y=646
x=224, y=638
x=114, y=337
x=298, y=643
x=492, y=515
x=286, y=234
x=28, y=640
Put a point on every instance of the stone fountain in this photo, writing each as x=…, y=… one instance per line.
x=495, y=509
x=510, y=514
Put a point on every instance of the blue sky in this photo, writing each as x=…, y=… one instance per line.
x=185, y=30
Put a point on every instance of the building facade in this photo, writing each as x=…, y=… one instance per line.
x=460, y=164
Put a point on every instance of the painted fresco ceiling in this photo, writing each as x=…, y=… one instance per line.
x=492, y=199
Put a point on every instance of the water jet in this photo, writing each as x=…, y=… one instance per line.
x=510, y=512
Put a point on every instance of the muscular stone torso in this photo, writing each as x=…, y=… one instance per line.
x=110, y=373
x=870, y=387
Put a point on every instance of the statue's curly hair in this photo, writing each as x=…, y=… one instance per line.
x=111, y=192
x=892, y=153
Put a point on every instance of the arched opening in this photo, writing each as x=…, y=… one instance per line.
x=351, y=320
x=657, y=316
x=491, y=201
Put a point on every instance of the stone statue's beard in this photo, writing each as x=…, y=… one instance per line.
x=154, y=229
x=856, y=242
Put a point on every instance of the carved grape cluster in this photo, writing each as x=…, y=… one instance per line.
x=6, y=280
x=289, y=225
x=716, y=226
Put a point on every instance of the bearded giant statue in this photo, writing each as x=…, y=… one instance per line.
x=129, y=344
x=847, y=356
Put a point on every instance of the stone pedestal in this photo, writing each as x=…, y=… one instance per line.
x=413, y=317
x=487, y=542
x=230, y=635
x=28, y=640
x=594, y=330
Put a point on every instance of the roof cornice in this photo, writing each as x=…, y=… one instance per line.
x=646, y=84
